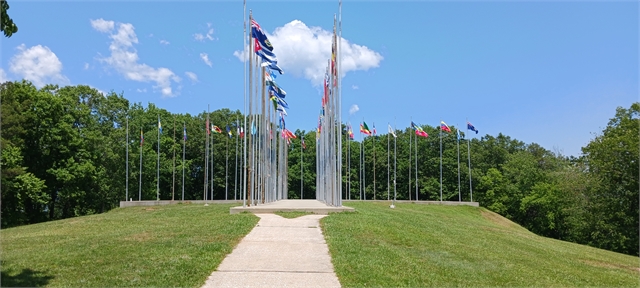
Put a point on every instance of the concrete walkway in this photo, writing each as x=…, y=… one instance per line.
x=278, y=252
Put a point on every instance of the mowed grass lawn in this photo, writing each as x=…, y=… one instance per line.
x=173, y=245
x=435, y=245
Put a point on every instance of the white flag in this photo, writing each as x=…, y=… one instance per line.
x=392, y=132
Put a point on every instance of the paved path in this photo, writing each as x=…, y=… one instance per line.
x=278, y=252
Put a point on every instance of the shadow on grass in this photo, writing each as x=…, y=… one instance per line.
x=26, y=278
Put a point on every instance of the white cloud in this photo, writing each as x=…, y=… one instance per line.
x=102, y=25
x=3, y=76
x=86, y=66
x=192, y=76
x=208, y=35
x=165, y=42
x=355, y=87
x=304, y=51
x=124, y=59
x=141, y=90
x=39, y=65
x=354, y=108
x=205, y=58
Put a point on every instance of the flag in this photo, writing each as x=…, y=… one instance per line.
x=253, y=128
x=184, y=133
x=419, y=130
x=216, y=129
x=229, y=132
x=392, y=132
x=241, y=132
x=444, y=127
x=364, y=128
x=260, y=36
x=350, y=131
x=470, y=127
x=287, y=134
x=206, y=127
x=458, y=134
x=159, y=125
x=304, y=146
x=263, y=48
x=374, y=129
x=141, y=137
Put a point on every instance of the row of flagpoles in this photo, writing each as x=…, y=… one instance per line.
x=364, y=130
x=329, y=131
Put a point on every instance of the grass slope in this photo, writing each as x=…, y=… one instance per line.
x=174, y=245
x=436, y=245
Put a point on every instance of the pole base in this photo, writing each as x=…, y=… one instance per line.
x=392, y=206
x=206, y=204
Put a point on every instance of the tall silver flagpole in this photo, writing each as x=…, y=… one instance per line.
x=226, y=170
x=126, y=197
x=441, y=161
x=388, y=132
x=158, y=170
x=140, y=175
x=410, y=138
x=244, y=117
x=395, y=164
x=301, y=183
x=184, y=143
x=459, y=193
x=235, y=178
x=415, y=139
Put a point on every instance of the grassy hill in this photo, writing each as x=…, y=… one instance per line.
x=436, y=246
x=177, y=245
x=411, y=245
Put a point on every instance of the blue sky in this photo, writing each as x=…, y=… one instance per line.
x=545, y=72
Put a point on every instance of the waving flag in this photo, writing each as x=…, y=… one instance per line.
x=444, y=127
x=350, y=132
x=374, y=129
x=206, y=127
x=392, y=132
x=229, y=132
x=458, y=132
x=216, y=129
x=304, y=146
x=241, y=132
x=470, y=127
x=184, y=132
x=141, y=137
x=159, y=125
x=263, y=48
x=419, y=130
x=414, y=126
x=253, y=128
x=365, y=129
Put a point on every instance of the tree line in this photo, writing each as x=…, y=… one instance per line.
x=64, y=151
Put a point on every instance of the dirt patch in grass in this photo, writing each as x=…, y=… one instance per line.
x=611, y=265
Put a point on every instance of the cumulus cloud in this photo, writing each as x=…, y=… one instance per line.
x=192, y=76
x=102, y=25
x=165, y=42
x=124, y=57
x=208, y=35
x=205, y=58
x=144, y=90
x=355, y=87
x=354, y=108
x=304, y=51
x=39, y=65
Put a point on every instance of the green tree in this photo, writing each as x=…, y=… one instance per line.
x=6, y=23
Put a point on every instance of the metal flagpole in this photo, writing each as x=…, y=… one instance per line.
x=173, y=186
x=374, y=161
x=395, y=164
x=235, y=178
x=140, y=175
x=388, y=132
x=158, y=170
x=211, y=172
x=226, y=170
x=459, y=193
x=301, y=183
x=469, y=155
x=360, y=170
x=410, y=138
x=441, y=161
x=415, y=139
x=244, y=117
x=184, y=142
x=126, y=190
x=364, y=167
